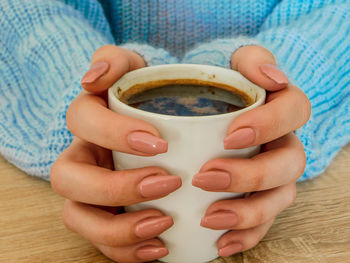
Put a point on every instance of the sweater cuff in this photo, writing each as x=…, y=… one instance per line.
x=152, y=56
x=218, y=52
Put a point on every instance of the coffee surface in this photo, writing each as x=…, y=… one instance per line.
x=187, y=100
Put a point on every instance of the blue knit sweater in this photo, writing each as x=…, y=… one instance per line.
x=46, y=45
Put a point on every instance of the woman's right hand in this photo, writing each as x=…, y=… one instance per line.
x=84, y=174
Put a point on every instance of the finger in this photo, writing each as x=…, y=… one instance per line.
x=89, y=119
x=108, y=64
x=245, y=213
x=241, y=240
x=285, y=111
x=144, y=251
x=283, y=162
x=85, y=182
x=259, y=66
x=84, y=152
x=105, y=228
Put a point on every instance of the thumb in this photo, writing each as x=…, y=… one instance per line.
x=259, y=66
x=108, y=64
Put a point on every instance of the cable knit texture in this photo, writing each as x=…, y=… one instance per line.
x=45, y=48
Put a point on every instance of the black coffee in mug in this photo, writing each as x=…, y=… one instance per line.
x=187, y=100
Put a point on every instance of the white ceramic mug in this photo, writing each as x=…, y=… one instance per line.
x=192, y=141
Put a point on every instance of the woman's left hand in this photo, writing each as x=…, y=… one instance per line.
x=271, y=175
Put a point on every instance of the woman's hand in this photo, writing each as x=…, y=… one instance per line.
x=84, y=175
x=270, y=175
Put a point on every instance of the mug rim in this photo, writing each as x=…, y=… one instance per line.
x=112, y=92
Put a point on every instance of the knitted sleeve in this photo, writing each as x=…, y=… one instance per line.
x=311, y=42
x=45, y=48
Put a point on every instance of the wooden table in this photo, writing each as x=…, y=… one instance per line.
x=315, y=229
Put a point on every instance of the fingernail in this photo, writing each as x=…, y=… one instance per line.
x=151, y=252
x=151, y=227
x=220, y=220
x=95, y=72
x=274, y=73
x=159, y=185
x=240, y=138
x=147, y=143
x=230, y=249
x=212, y=180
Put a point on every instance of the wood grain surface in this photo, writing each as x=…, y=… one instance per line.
x=315, y=229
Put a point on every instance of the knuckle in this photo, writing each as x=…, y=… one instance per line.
x=251, y=237
x=71, y=115
x=119, y=189
x=306, y=108
x=254, y=241
x=300, y=158
x=246, y=175
x=66, y=215
x=69, y=120
x=260, y=216
x=112, y=238
x=292, y=195
x=258, y=181
x=275, y=122
x=251, y=217
x=268, y=124
x=55, y=177
x=240, y=184
x=302, y=162
x=250, y=241
x=112, y=191
x=79, y=113
x=300, y=98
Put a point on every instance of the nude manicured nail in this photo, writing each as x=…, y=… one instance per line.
x=147, y=143
x=220, y=220
x=240, y=138
x=212, y=180
x=230, y=249
x=274, y=73
x=151, y=227
x=159, y=185
x=148, y=253
x=95, y=72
